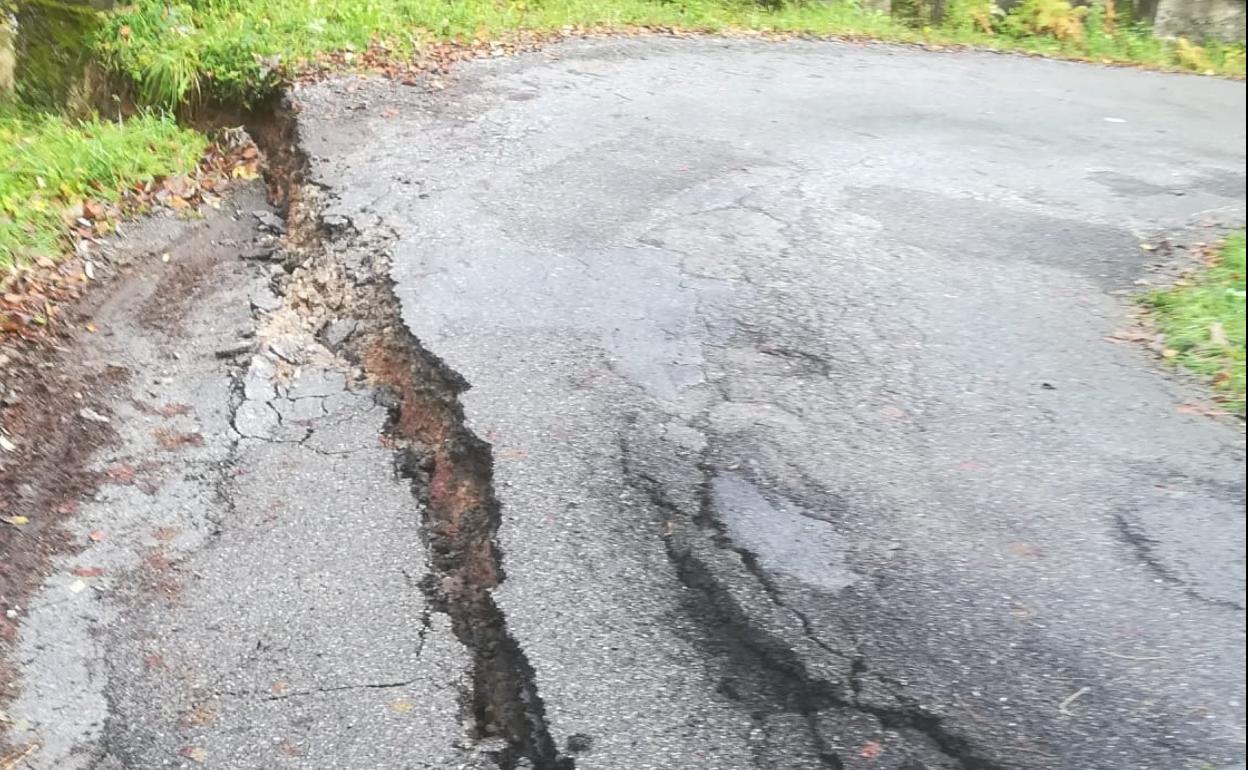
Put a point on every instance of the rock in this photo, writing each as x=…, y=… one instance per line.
x=258, y=382
x=334, y=222
x=259, y=251
x=286, y=350
x=237, y=349
x=335, y=333
x=270, y=221
x=316, y=383
x=263, y=300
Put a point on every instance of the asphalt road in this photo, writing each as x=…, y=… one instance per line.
x=810, y=446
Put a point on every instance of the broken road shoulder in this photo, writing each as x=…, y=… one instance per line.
x=245, y=457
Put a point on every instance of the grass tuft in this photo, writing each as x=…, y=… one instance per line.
x=239, y=50
x=49, y=165
x=1204, y=322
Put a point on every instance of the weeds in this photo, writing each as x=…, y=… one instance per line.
x=1203, y=322
x=240, y=50
x=49, y=166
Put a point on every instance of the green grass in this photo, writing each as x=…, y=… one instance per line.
x=49, y=165
x=238, y=50
x=1190, y=315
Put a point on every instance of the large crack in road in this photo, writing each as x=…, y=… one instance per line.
x=757, y=377
x=449, y=468
x=664, y=404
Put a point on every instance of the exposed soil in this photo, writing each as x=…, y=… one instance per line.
x=450, y=470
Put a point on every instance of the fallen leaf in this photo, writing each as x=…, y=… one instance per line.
x=1024, y=550
x=194, y=753
x=1221, y=377
x=20, y=753
x=200, y=714
x=1201, y=410
x=1130, y=335
x=122, y=473
x=1148, y=247
x=98, y=536
x=166, y=534
x=279, y=687
x=92, y=415
x=170, y=440
x=401, y=705
x=870, y=750
x=17, y=521
x=89, y=572
x=90, y=327
x=1169, y=353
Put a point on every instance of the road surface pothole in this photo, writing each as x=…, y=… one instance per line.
x=338, y=290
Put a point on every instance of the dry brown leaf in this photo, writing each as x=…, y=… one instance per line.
x=194, y=753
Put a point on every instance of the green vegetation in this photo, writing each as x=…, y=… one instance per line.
x=50, y=165
x=239, y=50
x=171, y=55
x=1203, y=322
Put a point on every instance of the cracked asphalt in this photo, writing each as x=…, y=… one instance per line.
x=810, y=447
x=804, y=443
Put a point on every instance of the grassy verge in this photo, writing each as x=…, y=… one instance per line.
x=1203, y=322
x=238, y=50
x=50, y=166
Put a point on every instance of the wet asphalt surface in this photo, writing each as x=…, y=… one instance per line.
x=810, y=447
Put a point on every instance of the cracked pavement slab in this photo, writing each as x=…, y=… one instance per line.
x=246, y=594
x=809, y=447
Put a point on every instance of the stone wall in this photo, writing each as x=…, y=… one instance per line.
x=8, y=60
x=1201, y=19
